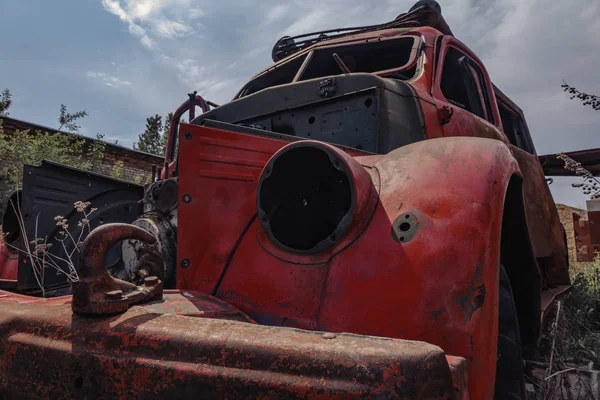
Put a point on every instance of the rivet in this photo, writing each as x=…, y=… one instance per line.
x=187, y=135
x=185, y=263
x=114, y=294
x=187, y=198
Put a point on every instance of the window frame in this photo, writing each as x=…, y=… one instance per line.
x=415, y=54
x=517, y=117
x=487, y=98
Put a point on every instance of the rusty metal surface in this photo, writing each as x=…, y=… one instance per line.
x=583, y=243
x=545, y=229
x=9, y=262
x=439, y=287
x=460, y=376
x=48, y=352
x=593, y=212
x=587, y=232
x=589, y=159
x=96, y=292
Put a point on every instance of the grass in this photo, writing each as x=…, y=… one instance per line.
x=570, y=344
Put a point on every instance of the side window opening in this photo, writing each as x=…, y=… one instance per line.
x=514, y=128
x=281, y=75
x=463, y=85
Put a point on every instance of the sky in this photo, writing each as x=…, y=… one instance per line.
x=125, y=60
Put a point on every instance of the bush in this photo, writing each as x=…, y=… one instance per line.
x=26, y=147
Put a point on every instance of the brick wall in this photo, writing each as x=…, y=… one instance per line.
x=137, y=166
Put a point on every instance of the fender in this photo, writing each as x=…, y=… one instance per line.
x=439, y=286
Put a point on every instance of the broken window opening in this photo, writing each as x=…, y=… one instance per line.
x=280, y=75
x=463, y=85
x=514, y=128
x=392, y=58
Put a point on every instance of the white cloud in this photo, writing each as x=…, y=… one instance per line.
x=172, y=29
x=194, y=13
x=527, y=47
x=107, y=79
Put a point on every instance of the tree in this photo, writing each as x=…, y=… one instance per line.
x=25, y=147
x=5, y=102
x=68, y=120
x=589, y=100
x=154, y=138
x=150, y=141
x=165, y=135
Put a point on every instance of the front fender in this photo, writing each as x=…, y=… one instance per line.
x=439, y=284
x=447, y=281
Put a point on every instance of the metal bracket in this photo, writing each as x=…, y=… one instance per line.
x=97, y=292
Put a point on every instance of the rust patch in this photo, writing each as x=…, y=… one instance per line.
x=474, y=297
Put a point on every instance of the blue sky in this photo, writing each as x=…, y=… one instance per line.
x=124, y=60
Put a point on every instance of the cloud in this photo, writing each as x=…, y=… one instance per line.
x=172, y=29
x=107, y=79
x=528, y=48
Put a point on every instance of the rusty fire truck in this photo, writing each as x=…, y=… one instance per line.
x=367, y=218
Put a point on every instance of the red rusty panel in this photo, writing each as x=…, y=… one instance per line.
x=440, y=287
x=583, y=243
x=219, y=173
x=50, y=353
x=593, y=211
x=9, y=262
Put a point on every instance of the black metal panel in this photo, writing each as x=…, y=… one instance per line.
x=359, y=110
x=349, y=120
x=51, y=190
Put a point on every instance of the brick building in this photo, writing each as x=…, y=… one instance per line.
x=136, y=164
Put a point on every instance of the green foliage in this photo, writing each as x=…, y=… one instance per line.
x=582, y=315
x=150, y=141
x=154, y=138
x=67, y=120
x=26, y=147
x=165, y=134
x=117, y=170
x=5, y=102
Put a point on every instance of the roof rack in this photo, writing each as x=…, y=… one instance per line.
x=423, y=13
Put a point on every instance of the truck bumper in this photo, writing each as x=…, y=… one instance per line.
x=170, y=349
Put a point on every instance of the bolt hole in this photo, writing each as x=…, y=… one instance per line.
x=368, y=102
x=332, y=237
x=78, y=383
x=407, y=216
x=402, y=239
x=405, y=227
x=311, y=120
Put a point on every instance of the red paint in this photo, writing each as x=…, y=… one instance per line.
x=9, y=261
x=428, y=289
x=146, y=352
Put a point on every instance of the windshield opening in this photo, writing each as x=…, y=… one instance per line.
x=391, y=58
x=371, y=57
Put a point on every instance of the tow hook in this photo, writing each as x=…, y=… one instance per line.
x=97, y=292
